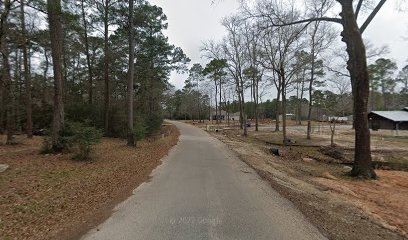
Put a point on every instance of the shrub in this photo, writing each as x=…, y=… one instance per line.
x=46, y=146
x=139, y=129
x=81, y=137
x=76, y=136
x=153, y=122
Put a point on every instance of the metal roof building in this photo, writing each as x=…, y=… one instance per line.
x=391, y=120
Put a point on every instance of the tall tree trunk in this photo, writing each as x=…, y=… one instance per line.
x=241, y=111
x=65, y=58
x=283, y=79
x=106, y=65
x=244, y=117
x=309, y=115
x=198, y=102
x=357, y=66
x=302, y=92
x=8, y=87
x=277, y=109
x=332, y=130
x=216, y=103
x=55, y=25
x=6, y=77
x=385, y=97
x=88, y=57
x=45, y=76
x=131, y=68
x=312, y=75
x=256, y=105
x=244, y=120
x=27, y=77
x=17, y=91
x=220, y=101
x=255, y=97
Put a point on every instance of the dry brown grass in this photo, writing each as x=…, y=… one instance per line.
x=341, y=207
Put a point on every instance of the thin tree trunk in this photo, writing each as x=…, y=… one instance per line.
x=244, y=120
x=17, y=91
x=302, y=91
x=27, y=77
x=277, y=109
x=220, y=101
x=241, y=111
x=243, y=108
x=88, y=57
x=106, y=65
x=209, y=109
x=357, y=66
x=131, y=139
x=198, y=103
x=216, y=103
x=297, y=99
x=256, y=106
x=255, y=96
x=282, y=75
x=309, y=116
x=333, y=129
x=312, y=73
x=55, y=25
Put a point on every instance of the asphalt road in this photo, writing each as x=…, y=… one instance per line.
x=203, y=191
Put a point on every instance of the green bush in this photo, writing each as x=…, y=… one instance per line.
x=153, y=122
x=139, y=129
x=78, y=137
x=46, y=146
x=82, y=137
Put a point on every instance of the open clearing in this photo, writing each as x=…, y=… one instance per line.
x=55, y=197
x=341, y=207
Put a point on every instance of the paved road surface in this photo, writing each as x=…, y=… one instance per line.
x=203, y=191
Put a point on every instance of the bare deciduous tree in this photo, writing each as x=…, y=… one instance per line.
x=356, y=65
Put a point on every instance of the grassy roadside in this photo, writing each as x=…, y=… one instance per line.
x=55, y=197
x=342, y=208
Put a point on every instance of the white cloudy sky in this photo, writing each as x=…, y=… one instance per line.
x=193, y=21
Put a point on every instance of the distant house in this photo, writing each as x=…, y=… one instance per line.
x=225, y=115
x=289, y=116
x=390, y=120
x=234, y=116
x=336, y=119
x=217, y=115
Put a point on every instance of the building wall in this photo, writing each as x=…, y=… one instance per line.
x=376, y=122
x=403, y=126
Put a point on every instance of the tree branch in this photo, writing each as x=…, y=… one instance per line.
x=372, y=15
x=326, y=19
x=360, y=2
x=338, y=73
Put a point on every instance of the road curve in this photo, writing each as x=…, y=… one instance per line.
x=203, y=191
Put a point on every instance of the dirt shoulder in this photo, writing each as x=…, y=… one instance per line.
x=342, y=208
x=55, y=197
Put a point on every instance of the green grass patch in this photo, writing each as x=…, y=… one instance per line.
x=59, y=175
x=31, y=208
x=396, y=159
x=311, y=151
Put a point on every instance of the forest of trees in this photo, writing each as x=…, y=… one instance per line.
x=102, y=63
x=106, y=64
x=293, y=50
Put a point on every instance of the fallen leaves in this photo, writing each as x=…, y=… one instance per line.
x=54, y=197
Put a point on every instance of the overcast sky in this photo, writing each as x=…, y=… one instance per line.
x=193, y=21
